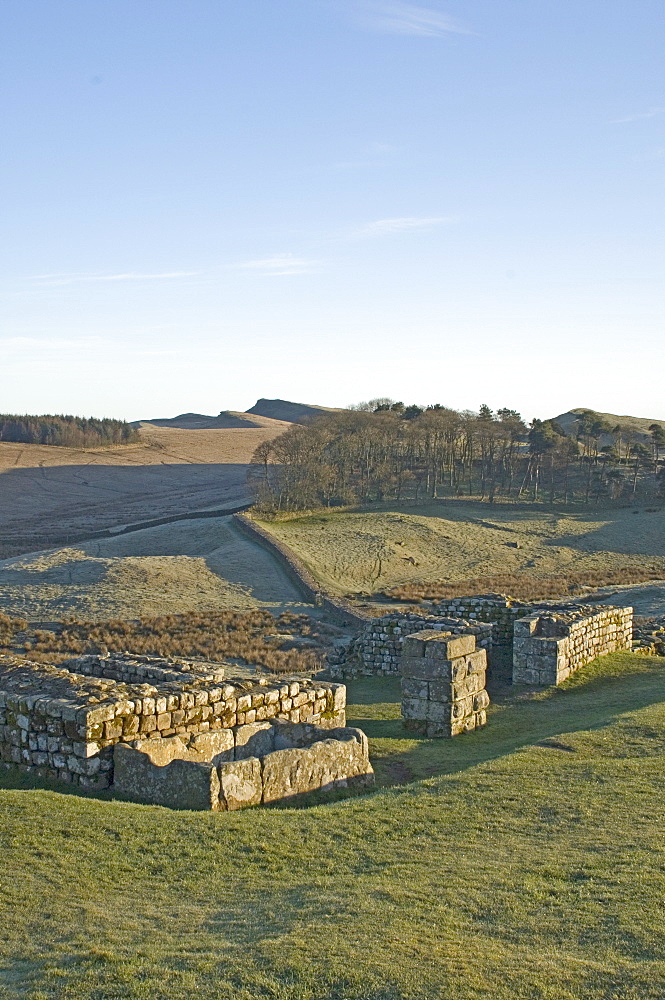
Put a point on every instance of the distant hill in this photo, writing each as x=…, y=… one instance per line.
x=637, y=427
x=226, y=420
x=295, y=413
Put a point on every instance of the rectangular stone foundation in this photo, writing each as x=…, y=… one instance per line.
x=443, y=684
x=62, y=723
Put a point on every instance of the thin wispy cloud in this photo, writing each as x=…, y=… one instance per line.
x=280, y=265
x=72, y=279
x=638, y=116
x=397, y=18
x=403, y=224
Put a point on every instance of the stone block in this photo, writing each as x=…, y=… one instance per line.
x=413, y=646
x=217, y=746
x=180, y=784
x=476, y=663
x=240, y=784
x=254, y=740
x=436, y=711
x=414, y=687
x=414, y=708
x=130, y=726
x=450, y=648
x=481, y=701
x=323, y=766
x=112, y=730
x=428, y=669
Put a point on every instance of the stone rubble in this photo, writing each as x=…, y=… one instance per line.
x=649, y=636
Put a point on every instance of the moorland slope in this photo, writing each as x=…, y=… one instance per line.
x=361, y=550
x=50, y=494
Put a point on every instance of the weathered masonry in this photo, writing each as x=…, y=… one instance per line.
x=263, y=762
x=549, y=646
x=63, y=722
x=496, y=622
x=443, y=684
x=377, y=650
x=498, y=610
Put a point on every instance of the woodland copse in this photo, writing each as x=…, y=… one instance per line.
x=65, y=430
x=385, y=451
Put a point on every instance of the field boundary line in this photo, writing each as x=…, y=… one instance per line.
x=298, y=573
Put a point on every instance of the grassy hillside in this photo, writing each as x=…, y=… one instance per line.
x=354, y=551
x=528, y=865
x=200, y=565
x=633, y=425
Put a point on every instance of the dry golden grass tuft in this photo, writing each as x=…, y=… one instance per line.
x=289, y=643
x=9, y=627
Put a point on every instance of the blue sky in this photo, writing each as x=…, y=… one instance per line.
x=209, y=201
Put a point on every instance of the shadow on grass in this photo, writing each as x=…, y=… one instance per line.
x=20, y=781
x=519, y=717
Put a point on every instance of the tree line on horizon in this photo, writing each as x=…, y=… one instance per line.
x=384, y=450
x=65, y=430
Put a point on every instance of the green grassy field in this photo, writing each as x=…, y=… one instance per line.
x=525, y=861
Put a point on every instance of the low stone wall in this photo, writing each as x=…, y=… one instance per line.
x=443, y=684
x=63, y=723
x=275, y=762
x=498, y=609
x=339, y=610
x=129, y=668
x=549, y=646
x=377, y=650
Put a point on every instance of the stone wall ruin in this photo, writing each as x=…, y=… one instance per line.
x=62, y=723
x=549, y=646
x=495, y=621
x=377, y=649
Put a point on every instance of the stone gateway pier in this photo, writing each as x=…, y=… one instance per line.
x=443, y=684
